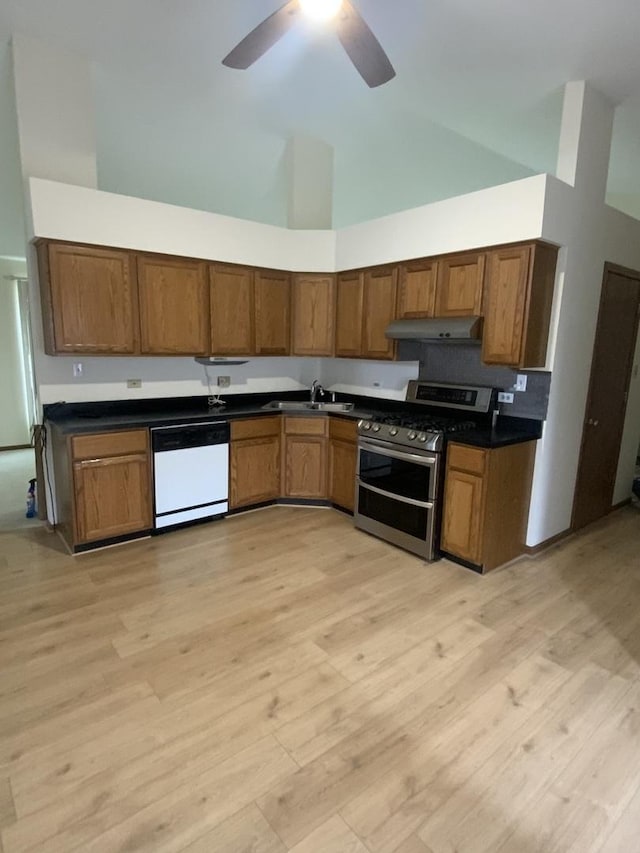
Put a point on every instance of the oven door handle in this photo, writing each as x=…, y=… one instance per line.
x=384, y=450
x=394, y=497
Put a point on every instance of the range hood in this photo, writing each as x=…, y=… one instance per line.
x=444, y=330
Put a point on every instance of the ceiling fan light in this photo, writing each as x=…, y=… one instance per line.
x=321, y=10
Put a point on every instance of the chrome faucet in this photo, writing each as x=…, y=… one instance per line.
x=316, y=388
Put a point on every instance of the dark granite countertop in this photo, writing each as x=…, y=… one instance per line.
x=77, y=418
x=507, y=431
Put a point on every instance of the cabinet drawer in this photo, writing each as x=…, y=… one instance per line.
x=343, y=430
x=464, y=458
x=254, y=428
x=305, y=426
x=105, y=444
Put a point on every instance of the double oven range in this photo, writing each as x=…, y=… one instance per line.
x=400, y=474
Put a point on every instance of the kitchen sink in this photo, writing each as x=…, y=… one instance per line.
x=308, y=406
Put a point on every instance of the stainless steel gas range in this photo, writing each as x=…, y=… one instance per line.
x=400, y=472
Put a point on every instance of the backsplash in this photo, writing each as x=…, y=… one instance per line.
x=461, y=363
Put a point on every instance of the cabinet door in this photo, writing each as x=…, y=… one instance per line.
x=417, y=289
x=112, y=497
x=349, y=320
x=314, y=309
x=342, y=473
x=174, y=306
x=463, y=515
x=254, y=471
x=305, y=466
x=505, y=305
x=460, y=281
x=232, y=310
x=379, y=310
x=89, y=299
x=273, y=309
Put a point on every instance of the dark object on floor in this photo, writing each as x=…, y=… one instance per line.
x=636, y=487
x=31, y=499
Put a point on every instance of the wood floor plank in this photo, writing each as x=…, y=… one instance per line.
x=486, y=809
x=246, y=832
x=281, y=680
x=334, y=836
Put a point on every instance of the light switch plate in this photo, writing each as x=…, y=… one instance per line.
x=521, y=382
x=77, y=369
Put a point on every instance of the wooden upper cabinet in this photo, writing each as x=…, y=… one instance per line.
x=314, y=311
x=417, y=288
x=174, y=306
x=88, y=299
x=349, y=307
x=272, y=294
x=232, y=310
x=460, y=283
x=379, y=310
x=518, y=300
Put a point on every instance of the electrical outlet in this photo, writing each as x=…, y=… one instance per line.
x=77, y=369
x=224, y=381
x=505, y=397
x=134, y=383
x=521, y=382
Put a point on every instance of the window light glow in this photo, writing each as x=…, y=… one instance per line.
x=321, y=10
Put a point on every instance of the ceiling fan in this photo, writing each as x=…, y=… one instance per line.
x=362, y=47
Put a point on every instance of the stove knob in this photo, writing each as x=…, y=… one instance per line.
x=367, y=425
x=412, y=436
x=376, y=427
x=393, y=431
x=423, y=437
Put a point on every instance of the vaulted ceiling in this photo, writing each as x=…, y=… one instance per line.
x=476, y=101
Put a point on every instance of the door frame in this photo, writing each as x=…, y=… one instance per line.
x=626, y=272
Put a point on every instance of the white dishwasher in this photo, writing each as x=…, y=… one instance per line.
x=191, y=472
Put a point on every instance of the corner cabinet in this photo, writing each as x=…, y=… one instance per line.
x=486, y=503
x=254, y=461
x=304, y=463
x=103, y=485
x=313, y=314
x=89, y=299
x=518, y=301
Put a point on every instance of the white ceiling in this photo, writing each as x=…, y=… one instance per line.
x=476, y=101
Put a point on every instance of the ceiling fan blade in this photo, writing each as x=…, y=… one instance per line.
x=362, y=47
x=265, y=35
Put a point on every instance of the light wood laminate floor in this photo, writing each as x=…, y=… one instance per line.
x=280, y=682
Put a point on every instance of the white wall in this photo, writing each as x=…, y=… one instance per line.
x=106, y=379
x=15, y=421
x=503, y=214
x=66, y=212
x=54, y=101
x=369, y=378
x=11, y=195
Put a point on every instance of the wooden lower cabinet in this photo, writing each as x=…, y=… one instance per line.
x=486, y=503
x=112, y=497
x=343, y=454
x=103, y=485
x=254, y=470
x=304, y=466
